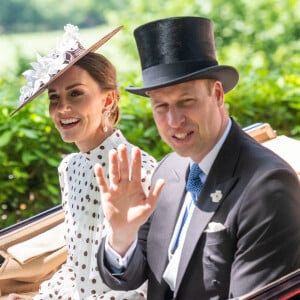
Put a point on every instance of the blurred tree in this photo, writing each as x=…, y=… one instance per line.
x=81, y=13
x=18, y=16
x=36, y=15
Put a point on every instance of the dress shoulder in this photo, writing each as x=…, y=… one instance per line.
x=66, y=161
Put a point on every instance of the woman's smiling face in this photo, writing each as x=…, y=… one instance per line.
x=76, y=105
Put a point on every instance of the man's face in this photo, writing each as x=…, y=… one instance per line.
x=190, y=116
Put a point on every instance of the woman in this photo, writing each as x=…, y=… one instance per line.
x=83, y=104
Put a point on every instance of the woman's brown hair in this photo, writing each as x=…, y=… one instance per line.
x=104, y=73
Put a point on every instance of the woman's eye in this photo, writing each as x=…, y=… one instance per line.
x=52, y=97
x=76, y=93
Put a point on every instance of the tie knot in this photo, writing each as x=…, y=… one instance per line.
x=194, y=182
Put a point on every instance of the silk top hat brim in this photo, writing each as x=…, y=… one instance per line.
x=70, y=58
x=176, y=50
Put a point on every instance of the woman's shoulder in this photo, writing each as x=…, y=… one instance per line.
x=148, y=158
x=67, y=160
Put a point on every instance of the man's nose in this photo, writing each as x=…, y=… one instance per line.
x=175, y=117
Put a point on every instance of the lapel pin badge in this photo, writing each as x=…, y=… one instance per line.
x=216, y=196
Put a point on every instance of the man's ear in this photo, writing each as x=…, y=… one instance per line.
x=219, y=92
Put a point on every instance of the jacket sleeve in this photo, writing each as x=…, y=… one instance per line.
x=131, y=278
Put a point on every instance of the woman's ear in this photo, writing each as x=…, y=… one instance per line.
x=109, y=100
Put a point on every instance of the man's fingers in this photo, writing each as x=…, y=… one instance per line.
x=136, y=164
x=155, y=192
x=159, y=184
x=123, y=162
x=119, y=164
x=114, y=173
x=100, y=177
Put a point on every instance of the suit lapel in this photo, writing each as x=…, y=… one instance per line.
x=202, y=215
x=166, y=214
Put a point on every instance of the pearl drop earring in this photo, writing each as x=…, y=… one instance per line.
x=106, y=116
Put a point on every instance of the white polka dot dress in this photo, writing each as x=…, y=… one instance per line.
x=78, y=278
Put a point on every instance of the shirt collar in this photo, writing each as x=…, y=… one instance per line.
x=206, y=163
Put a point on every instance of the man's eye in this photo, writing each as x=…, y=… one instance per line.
x=188, y=101
x=160, y=106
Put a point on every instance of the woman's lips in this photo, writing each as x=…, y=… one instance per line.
x=69, y=122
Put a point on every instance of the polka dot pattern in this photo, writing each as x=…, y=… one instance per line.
x=85, y=225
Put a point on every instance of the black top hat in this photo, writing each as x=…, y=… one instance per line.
x=179, y=49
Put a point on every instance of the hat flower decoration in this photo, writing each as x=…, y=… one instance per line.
x=47, y=68
x=49, y=65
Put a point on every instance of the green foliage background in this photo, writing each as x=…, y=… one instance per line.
x=261, y=38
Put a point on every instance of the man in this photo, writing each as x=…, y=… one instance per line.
x=241, y=229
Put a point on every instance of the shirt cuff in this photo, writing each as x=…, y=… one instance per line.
x=116, y=263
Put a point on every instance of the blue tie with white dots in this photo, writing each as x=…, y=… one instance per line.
x=194, y=183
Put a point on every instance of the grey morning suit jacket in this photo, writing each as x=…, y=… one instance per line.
x=260, y=208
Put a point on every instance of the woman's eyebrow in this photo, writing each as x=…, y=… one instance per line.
x=67, y=88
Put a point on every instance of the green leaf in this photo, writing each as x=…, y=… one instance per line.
x=28, y=157
x=5, y=138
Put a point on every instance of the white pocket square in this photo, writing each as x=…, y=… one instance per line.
x=214, y=227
